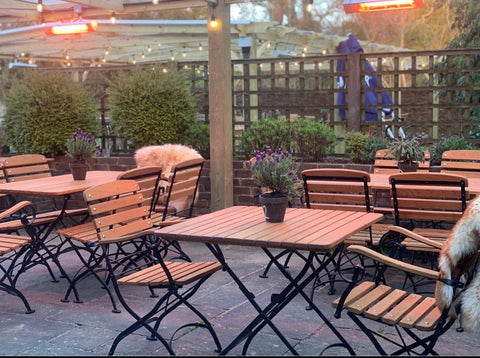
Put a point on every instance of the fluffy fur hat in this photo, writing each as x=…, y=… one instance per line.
x=462, y=243
x=166, y=156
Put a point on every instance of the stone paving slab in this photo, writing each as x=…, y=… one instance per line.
x=79, y=329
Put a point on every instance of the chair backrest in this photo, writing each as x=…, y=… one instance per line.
x=117, y=209
x=26, y=167
x=462, y=162
x=343, y=189
x=148, y=179
x=181, y=187
x=428, y=196
x=384, y=162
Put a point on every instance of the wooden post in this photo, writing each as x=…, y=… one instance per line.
x=220, y=104
x=353, y=92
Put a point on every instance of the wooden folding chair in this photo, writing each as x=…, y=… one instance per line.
x=417, y=320
x=148, y=178
x=425, y=204
x=176, y=198
x=464, y=162
x=120, y=215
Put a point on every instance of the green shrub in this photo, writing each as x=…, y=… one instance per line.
x=314, y=140
x=451, y=143
x=151, y=107
x=197, y=136
x=372, y=144
x=355, y=145
x=43, y=109
x=275, y=133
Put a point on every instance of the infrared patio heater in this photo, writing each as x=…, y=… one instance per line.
x=355, y=6
x=69, y=28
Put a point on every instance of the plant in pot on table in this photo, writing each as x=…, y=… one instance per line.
x=276, y=174
x=408, y=152
x=81, y=147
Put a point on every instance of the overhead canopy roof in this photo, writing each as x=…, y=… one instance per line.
x=23, y=37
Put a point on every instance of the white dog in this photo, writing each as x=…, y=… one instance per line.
x=166, y=156
x=461, y=244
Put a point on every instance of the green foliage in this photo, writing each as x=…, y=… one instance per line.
x=354, y=145
x=276, y=172
x=82, y=146
x=197, y=136
x=314, y=140
x=275, y=133
x=43, y=109
x=372, y=144
x=406, y=149
x=450, y=143
x=151, y=107
x=362, y=148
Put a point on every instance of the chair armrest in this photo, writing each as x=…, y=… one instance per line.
x=389, y=261
x=416, y=236
x=14, y=209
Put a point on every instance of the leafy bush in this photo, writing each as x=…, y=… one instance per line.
x=151, y=107
x=197, y=136
x=275, y=133
x=451, y=143
x=314, y=140
x=355, y=145
x=43, y=109
x=372, y=144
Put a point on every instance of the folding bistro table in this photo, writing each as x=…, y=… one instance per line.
x=303, y=229
x=60, y=186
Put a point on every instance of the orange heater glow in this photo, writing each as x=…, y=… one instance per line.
x=352, y=6
x=70, y=28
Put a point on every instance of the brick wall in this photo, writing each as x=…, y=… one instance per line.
x=244, y=189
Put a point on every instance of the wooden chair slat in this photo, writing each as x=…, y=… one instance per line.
x=356, y=292
x=396, y=314
x=369, y=299
x=429, y=322
x=419, y=311
x=386, y=303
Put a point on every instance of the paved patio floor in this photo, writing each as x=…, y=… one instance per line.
x=83, y=329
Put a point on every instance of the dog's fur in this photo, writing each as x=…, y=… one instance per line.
x=461, y=244
x=166, y=156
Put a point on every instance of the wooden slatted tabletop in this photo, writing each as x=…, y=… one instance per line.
x=302, y=229
x=58, y=185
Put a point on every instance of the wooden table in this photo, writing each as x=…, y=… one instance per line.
x=303, y=229
x=380, y=182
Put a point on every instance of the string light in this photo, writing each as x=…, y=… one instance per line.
x=133, y=59
x=143, y=55
x=213, y=22
x=106, y=51
x=310, y=6
x=172, y=57
x=40, y=6
x=149, y=49
x=155, y=2
x=200, y=48
x=113, y=19
x=184, y=54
